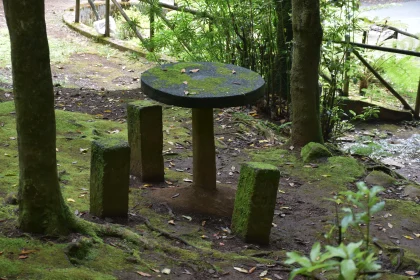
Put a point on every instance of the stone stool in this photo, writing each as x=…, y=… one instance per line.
x=109, y=178
x=145, y=137
x=255, y=201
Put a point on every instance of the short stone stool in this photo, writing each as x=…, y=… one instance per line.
x=109, y=178
x=145, y=137
x=255, y=201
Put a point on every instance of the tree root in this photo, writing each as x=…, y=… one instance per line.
x=166, y=234
x=96, y=230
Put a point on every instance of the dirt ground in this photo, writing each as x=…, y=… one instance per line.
x=83, y=84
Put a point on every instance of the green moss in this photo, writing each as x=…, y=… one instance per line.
x=402, y=208
x=255, y=201
x=314, y=151
x=379, y=178
x=168, y=77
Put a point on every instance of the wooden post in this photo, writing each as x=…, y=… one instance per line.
x=77, y=12
x=107, y=14
x=417, y=108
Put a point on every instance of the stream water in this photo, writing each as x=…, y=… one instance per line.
x=397, y=146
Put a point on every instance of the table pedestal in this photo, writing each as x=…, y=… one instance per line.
x=204, y=155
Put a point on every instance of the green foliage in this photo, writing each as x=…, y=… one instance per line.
x=354, y=259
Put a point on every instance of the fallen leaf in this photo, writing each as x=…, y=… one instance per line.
x=187, y=180
x=417, y=235
x=411, y=273
x=185, y=82
x=186, y=272
x=171, y=222
x=70, y=200
x=187, y=218
x=291, y=148
x=182, y=70
x=278, y=276
x=291, y=184
x=204, y=236
x=194, y=70
x=285, y=207
x=252, y=269
x=390, y=225
x=222, y=244
x=408, y=237
x=233, y=72
x=22, y=257
x=273, y=224
x=326, y=175
x=264, y=273
x=280, y=191
x=144, y=274
x=147, y=185
x=175, y=195
x=155, y=270
x=240, y=269
x=166, y=271
x=83, y=150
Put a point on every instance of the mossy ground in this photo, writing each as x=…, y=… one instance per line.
x=115, y=257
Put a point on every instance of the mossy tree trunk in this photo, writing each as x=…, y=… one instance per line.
x=307, y=34
x=41, y=205
x=283, y=38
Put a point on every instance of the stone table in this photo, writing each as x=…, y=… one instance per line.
x=202, y=86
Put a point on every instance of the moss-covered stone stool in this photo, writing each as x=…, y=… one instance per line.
x=255, y=201
x=109, y=178
x=145, y=137
x=202, y=86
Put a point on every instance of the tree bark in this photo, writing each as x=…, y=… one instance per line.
x=284, y=36
x=41, y=205
x=307, y=34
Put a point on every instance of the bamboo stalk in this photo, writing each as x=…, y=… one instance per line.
x=92, y=5
x=372, y=47
x=385, y=83
x=417, y=109
x=136, y=31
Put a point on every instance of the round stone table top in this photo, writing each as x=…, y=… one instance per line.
x=202, y=85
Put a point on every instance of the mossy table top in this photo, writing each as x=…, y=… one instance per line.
x=202, y=85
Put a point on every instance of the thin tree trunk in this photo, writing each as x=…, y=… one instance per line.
x=41, y=205
x=307, y=34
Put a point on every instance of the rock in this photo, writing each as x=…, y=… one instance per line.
x=412, y=191
x=314, y=151
x=11, y=198
x=379, y=178
x=391, y=162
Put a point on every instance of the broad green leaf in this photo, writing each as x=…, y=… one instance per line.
x=348, y=269
x=295, y=257
x=377, y=207
x=316, y=249
x=351, y=247
x=336, y=251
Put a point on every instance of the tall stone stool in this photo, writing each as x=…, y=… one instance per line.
x=109, y=178
x=145, y=137
x=255, y=201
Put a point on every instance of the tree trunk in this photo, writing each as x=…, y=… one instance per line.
x=284, y=36
x=41, y=205
x=307, y=34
